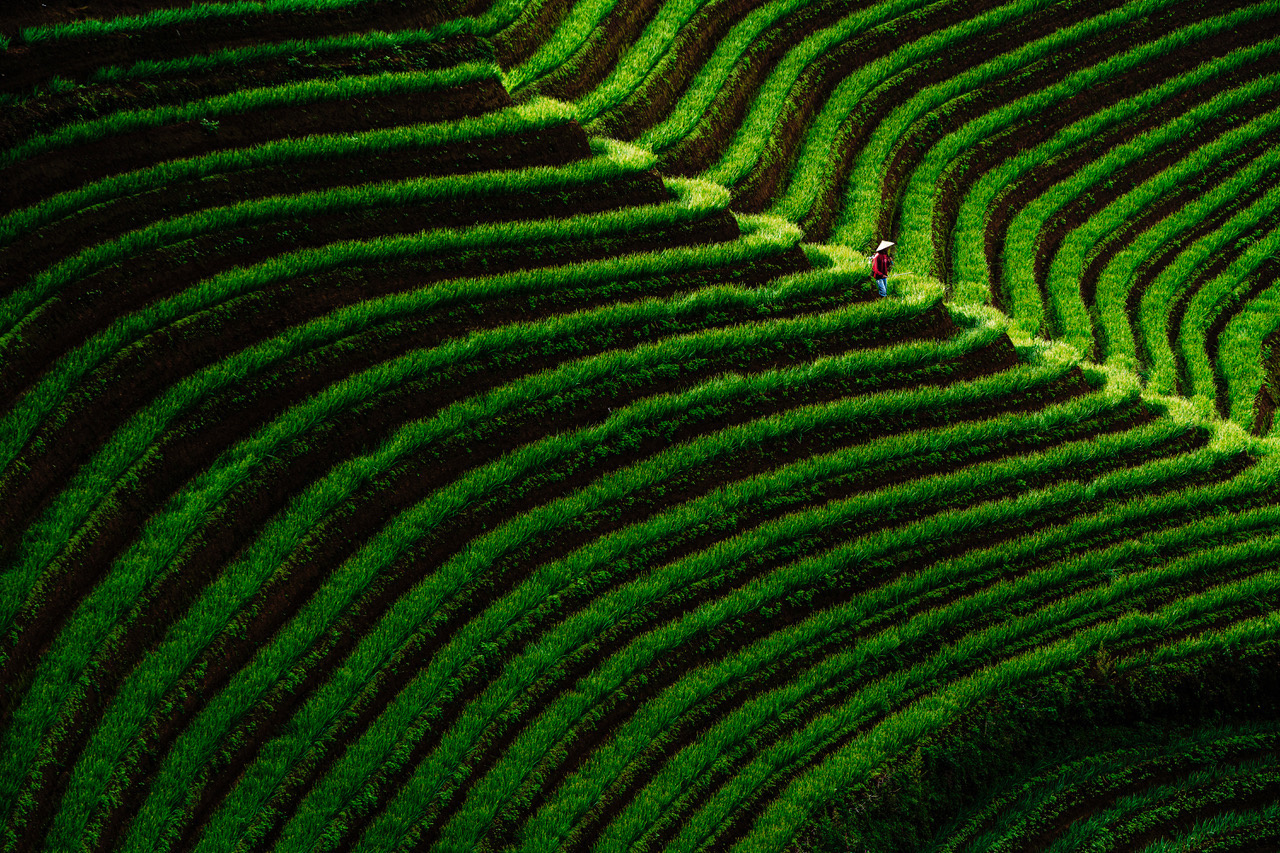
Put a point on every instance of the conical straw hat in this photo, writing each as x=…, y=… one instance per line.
x=884, y=244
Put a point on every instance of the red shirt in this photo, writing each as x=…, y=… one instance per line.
x=880, y=265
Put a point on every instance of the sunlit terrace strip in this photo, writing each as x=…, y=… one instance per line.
x=96, y=480
x=1116, y=280
x=1214, y=297
x=536, y=114
x=1242, y=351
x=688, y=116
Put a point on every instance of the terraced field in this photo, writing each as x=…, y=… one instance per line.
x=470, y=426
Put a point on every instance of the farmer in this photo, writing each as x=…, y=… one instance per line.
x=881, y=263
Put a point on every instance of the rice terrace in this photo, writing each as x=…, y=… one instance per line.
x=474, y=426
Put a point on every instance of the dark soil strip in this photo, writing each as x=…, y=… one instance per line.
x=761, y=186
x=1182, y=195
x=91, y=304
x=1265, y=405
x=793, y=609
x=741, y=822
x=988, y=154
x=603, y=520
x=758, y=190
x=1100, y=792
x=216, y=423
x=927, y=131
x=47, y=111
x=555, y=145
x=1266, y=795
x=23, y=66
x=1166, y=769
x=1079, y=210
x=1183, y=821
x=66, y=169
x=658, y=94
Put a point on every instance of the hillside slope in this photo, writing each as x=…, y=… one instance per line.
x=454, y=426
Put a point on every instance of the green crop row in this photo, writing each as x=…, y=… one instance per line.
x=372, y=749
x=632, y=76
x=919, y=200
x=247, y=100
x=1063, y=281
x=613, y=160
x=815, y=168
x=653, y=805
x=534, y=115
x=194, y=64
x=161, y=539
x=352, y=319
x=776, y=96
x=501, y=17
x=968, y=241
x=536, y=456
x=393, y=725
x=756, y=31
x=595, y=778
x=1066, y=534
x=1256, y=828
x=575, y=29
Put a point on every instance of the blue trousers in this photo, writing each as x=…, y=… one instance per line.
x=882, y=284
